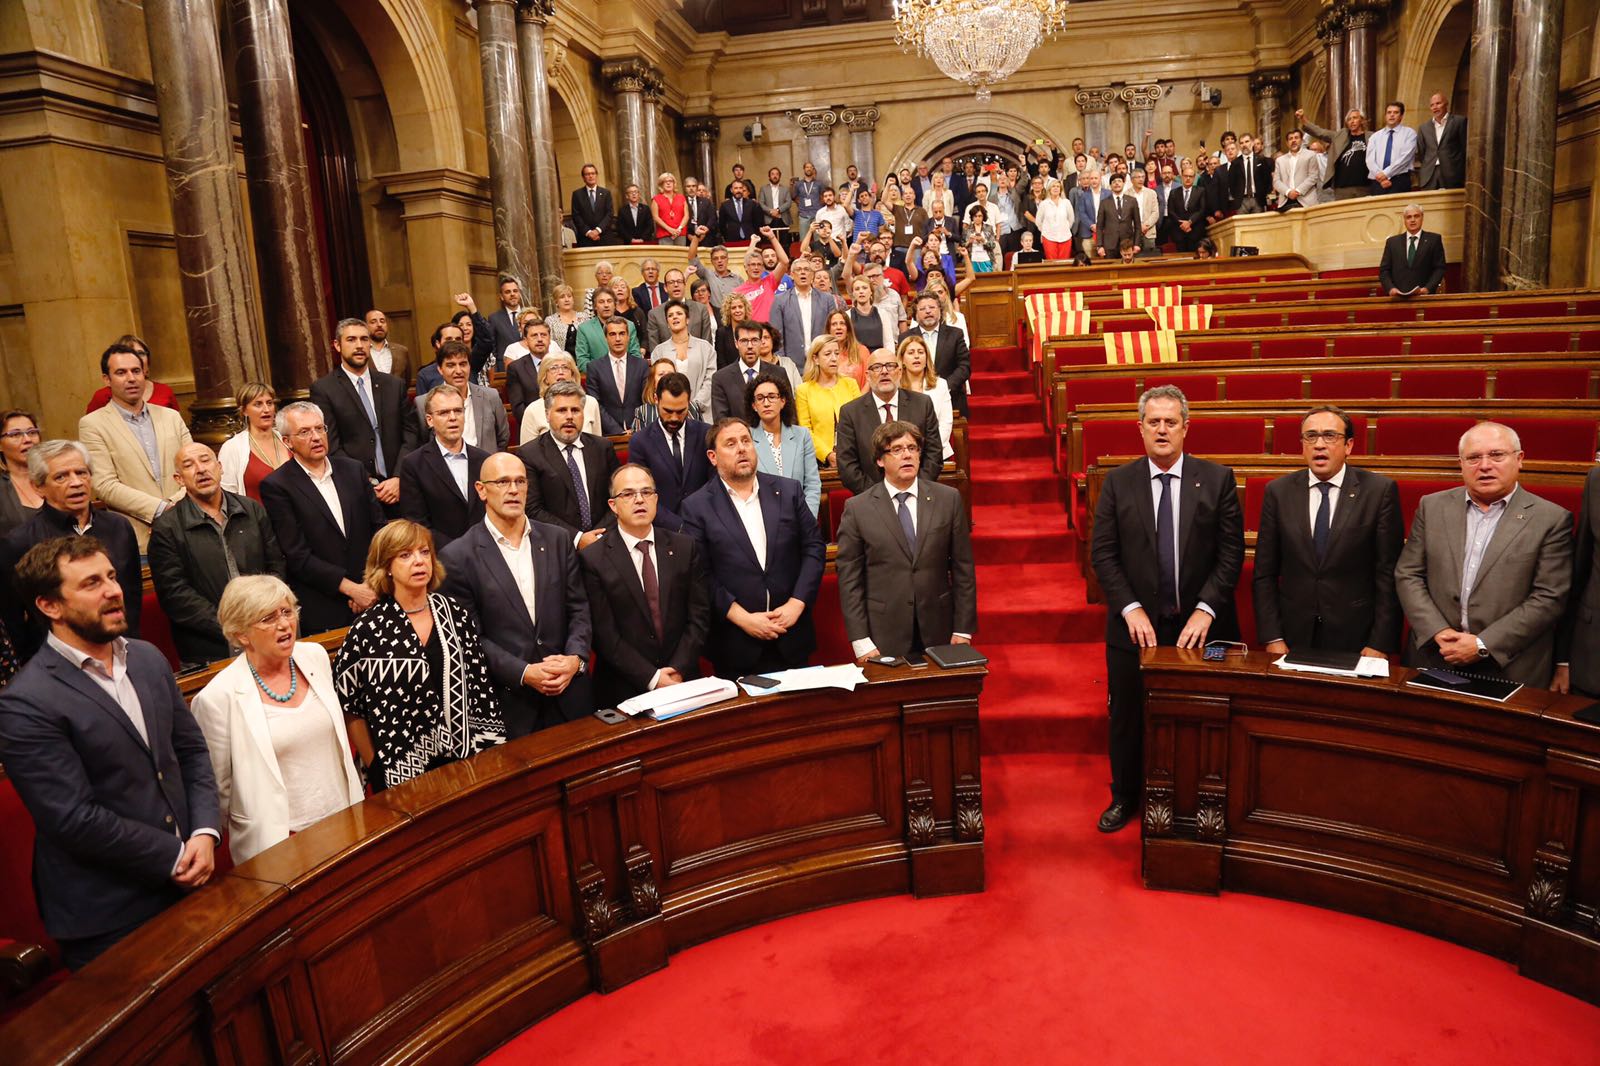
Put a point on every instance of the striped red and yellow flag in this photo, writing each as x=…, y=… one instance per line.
x=1053, y=315
x=1152, y=295
x=1127, y=348
x=1181, y=316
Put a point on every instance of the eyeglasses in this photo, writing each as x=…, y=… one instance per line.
x=278, y=617
x=309, y=431
x=507, y=482
x=633, y=494
x=1327, y=436
x=879, y=368
x=902, y=450
x=21, y=434
x=1496, y=456
x=769, y=397
x=446, y=412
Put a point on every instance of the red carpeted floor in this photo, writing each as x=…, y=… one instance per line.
x=1065, y=958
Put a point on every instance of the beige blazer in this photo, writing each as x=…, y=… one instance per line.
x=250, y=786
x=122, y=476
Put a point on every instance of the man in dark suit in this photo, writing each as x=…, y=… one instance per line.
x=761, y=593
x=367, y=415
x=1186, y=211
x=698, y=209
x=884, y=401
x=325, y=514
x=593, y=215
x=568, y=469
x=619, y=400
x=1578, y=639
x=505, y=324
x=635, y=224
x=1485, y=573
x=101, y=747
x=1168, y=546
x=1442, y=148
x=650, y=293
x=1413, y=261
x=1116, y=221
x=521, y=580
x=1218, y=190
x=728, y=384
x=906, y=574
x=436, y=480
x=738, y=218
x=673, y=448
x=1250, y=177
x=947, y=347
x=649, y=596
x=1326, y=548
x=522, y=375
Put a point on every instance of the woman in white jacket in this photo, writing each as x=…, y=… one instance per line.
x=273, y=723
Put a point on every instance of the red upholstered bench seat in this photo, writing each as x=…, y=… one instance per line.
x=1445, y=384
x=1225, y=436
x=1279, y=386
x=1421, y=435
x=1197, y=387
x=1425, y=343
x=1557, y=439
x=1230, y=349
x=1351, y=385
x=1370, y=346
x=1381, y=313
x=1536, y=340
x=1542, y=383
x=1413, y=489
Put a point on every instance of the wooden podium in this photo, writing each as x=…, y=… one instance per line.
x=435, y=920
x=1471, y=820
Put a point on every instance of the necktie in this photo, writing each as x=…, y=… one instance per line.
x=906, y=525
x=1166, y=549
x=749, y=374
x=652, y=589
x=592, y=201
x=619, y=370
x=1411, y=250
x=738, y=209
x=1186, y=198
x=1388, y=151
x=888, y=415
x=577, y=485
x=372, y=416
x=1249, y=176
x=677, y=450
x=1319, y=529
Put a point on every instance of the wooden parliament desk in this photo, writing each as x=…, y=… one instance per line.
x=435, y=920
x=1474, y=821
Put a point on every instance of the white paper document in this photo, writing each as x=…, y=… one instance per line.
x=674, y=700
x=1369, y=666
x=846, y=676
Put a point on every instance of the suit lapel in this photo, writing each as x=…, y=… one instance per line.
x=617, y=556
x=769, y=511
x=254, y=715
x=889, y=514
x=1188, y=500
x=505, y=585
x=558, y=464
x=1508, y=529
x=733, y=527
x=1345, y=514
x=1455, y=530
x=1140, y=478
x=72, y=676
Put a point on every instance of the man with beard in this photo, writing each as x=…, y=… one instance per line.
x=386, y=356
x=101, y=747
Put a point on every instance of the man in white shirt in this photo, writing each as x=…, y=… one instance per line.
x=386, y=356
x=1391, y=153
x=801, y=313
x=833, y=212
x=486, y=426
x=1295, y=174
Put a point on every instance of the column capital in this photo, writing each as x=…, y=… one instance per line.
x=1089, y=100
x=704, y=128
x=816, y=123
x=626, y=75
x=1330, y=26
x=1269, y=83
x=540, y=11
x=1361, y=14
x=1141, y=97
x=653, y=83
x=860, y=119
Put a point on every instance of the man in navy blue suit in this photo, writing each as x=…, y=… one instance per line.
x=106, y=757
x=673, y=448
x=619, y=403
x=765, y=553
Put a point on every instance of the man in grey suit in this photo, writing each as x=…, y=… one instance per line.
x=1442, y=148
x=487, y=427
x=793, y=309
x=1485, y=575
x=905, y=535
x=884, y=401
x=656, y=330
x=1578, y=639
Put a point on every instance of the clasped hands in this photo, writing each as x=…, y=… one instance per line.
x=1457, y=647
x=551, y=675
x=767, y=625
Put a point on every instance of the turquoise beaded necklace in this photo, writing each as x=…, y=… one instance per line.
x=294, y=682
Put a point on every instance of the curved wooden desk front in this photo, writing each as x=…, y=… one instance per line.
x=435, y=920
x=1471, y=820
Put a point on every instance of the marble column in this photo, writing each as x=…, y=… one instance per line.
x=1530, y=144
x=1094, y=103
x=207, y=212
x=532, y=15
x=1141, y=101
x=861, y=122
x=1267, y=88
x=292, y=293
x=626, y=79
x=1486, y=144
x=1362, y=18
x=505, y=129
x=652, y=133
x=705, y=130
x=818, y=128
x=1330, y=31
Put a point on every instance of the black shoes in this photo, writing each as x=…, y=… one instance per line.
x=1116, y=816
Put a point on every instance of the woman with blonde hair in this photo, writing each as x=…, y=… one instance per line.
x=917, y=375
x=824, y=390
x=554, y=367
x=566, y=319
x=412, y=666
x=274, y=723
x=256, y=450
x=1056, y=219
x=670, y=209
x=735, y=309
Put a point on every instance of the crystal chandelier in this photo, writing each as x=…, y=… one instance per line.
x=977, y=42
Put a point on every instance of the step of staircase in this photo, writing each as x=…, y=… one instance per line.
x=1026, y=709
x=1014, y=481
x=1023, y=441
x=1007, y=383
x=1001, y=359
x=1003, y=409
x=1036, y=603
x=1022, y=533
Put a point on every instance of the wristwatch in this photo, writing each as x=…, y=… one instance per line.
x=1483, y=650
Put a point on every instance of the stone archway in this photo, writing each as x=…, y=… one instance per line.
x=975, y=123
x=568, y=92
x=1440, y=31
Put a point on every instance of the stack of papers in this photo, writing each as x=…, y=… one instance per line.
x=1369, y=666
x=847, y=677
x=674, y=700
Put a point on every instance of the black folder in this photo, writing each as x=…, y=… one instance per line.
x=951, y=656
x=1327, y=660
x=1466, y=683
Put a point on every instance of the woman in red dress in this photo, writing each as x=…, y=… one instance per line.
x=257, y=450
x=671, y=211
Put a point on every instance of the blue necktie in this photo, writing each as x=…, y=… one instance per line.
x=577, y=485
x=906, y=525
x=1388, y=151
x=372, y=416
x=1319, y=529
x=1166, y=550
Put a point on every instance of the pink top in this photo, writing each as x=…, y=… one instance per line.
x=673, y=210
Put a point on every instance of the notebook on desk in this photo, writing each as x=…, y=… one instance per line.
x=951, y=656
x=1466, y=683
x=1327, y=660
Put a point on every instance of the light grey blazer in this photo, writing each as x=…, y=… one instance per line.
x=491, y=427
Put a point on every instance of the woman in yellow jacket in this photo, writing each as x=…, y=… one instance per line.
x=822, y=393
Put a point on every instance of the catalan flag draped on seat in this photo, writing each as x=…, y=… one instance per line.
x=1125, y=348
x=1152, y=295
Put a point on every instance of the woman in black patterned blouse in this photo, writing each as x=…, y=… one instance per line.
x=412, y=667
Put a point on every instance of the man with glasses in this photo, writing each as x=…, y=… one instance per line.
x=325, y=513
x=1325, y=551
x=905, y=533
x=728, y=384
x=1486, y=571
x=436, y=480
x=522, y=582
x=640, y=651
x=884, y=401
